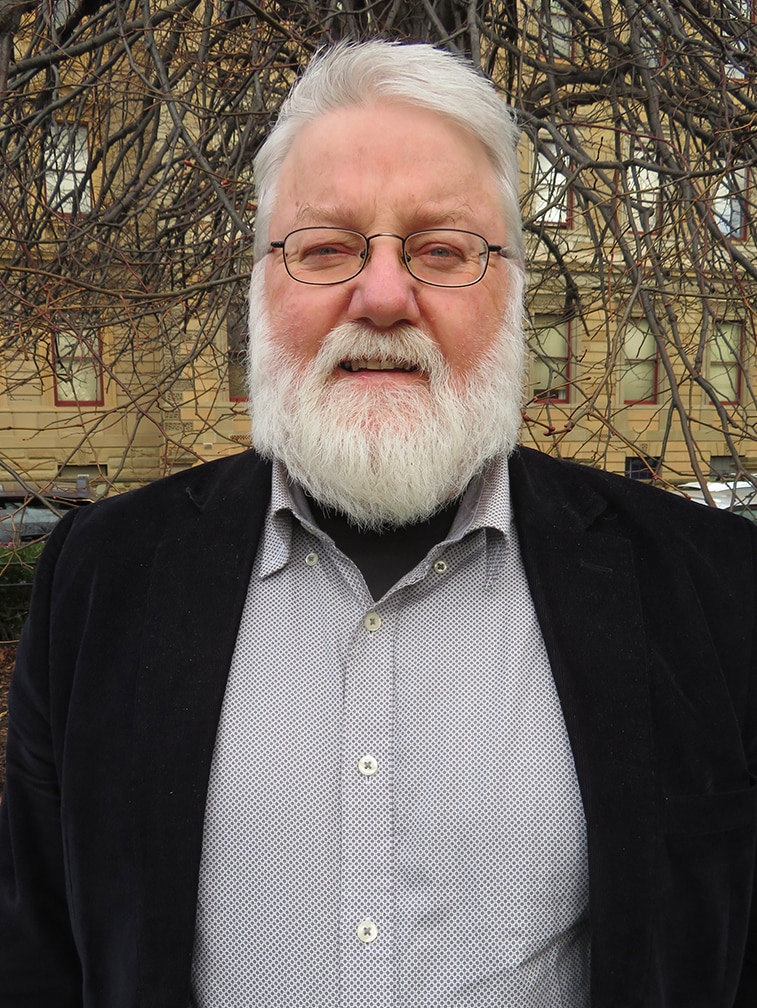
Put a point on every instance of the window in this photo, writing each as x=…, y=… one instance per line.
x=639, y=380
x=235, y=10
x=78, y=371
x=729, y=203
x=67, y=169
x=641, y=467
x=737, y=18
x=557, y=39
x=642, y=188
x=651, y=38
x=57, y=12
x=551, y=191
x=725, y=361
x=82, y=476
x=236, y=335
x=551, y=351
x=724, y=467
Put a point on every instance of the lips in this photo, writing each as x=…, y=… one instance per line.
x=386, y=364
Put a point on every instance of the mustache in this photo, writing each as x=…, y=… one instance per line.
x=407, y=346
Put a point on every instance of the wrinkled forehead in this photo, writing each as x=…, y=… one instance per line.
x=356, y=165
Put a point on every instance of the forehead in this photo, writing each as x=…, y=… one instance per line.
x=386, y=163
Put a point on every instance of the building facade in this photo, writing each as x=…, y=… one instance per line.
x=127, y=213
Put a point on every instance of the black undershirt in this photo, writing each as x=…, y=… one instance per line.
x=384, y=557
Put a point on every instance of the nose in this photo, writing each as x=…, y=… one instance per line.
x=384, y=292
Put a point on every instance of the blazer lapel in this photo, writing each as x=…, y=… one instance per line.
x=587, y=599
x=200, y=575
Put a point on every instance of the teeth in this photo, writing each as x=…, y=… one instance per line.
x=377, y=365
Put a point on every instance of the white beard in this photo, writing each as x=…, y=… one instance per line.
x=394, y=454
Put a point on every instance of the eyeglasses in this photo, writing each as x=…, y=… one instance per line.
x=442, y=257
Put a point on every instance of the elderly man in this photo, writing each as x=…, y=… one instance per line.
x=391, y=713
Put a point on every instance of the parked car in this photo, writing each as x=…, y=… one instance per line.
x=739, y=496
x=29, y=513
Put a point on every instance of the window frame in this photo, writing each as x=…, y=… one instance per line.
x=734, y=197
x=75, y=198
x=89, y=337
x=556, y=394
x=629, y=362
x=641, y=151
x=237, y=341
x=737, y=362
x=560, y=197
x=557, y=44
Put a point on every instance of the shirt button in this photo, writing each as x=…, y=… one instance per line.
x=367, y=931
x=311, y=559
x=372, y=622
x=367, y=765
x=440, y=566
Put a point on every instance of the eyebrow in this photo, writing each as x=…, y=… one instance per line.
x=309, y=214
x=423, y=217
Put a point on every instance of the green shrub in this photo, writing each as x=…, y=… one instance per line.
x=16, y=572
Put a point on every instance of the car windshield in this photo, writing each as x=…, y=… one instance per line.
x=746, y=512
x=25, y=522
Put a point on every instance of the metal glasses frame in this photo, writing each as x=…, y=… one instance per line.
x=404, y=257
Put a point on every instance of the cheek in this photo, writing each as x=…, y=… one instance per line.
x=485, y=321
x=301, y=316
x=466, y=332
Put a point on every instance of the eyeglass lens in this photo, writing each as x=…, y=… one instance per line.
x=444, y=257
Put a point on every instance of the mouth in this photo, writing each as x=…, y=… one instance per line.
x=363, y=364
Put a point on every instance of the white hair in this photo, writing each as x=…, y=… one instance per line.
x=352, y=74
x=389, y=456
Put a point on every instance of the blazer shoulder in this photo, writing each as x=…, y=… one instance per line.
x=553, y=485
x=132, y=522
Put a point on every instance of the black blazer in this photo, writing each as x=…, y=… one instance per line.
x=647, y=605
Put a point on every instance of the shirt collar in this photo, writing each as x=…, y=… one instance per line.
x=287, y=500
x=485, y=504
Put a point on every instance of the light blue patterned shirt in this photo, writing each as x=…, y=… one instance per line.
x=393, y=816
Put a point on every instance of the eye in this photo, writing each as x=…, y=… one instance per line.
x=324, y=248
x=324, y=251
x=445, y=252
x=440, y=255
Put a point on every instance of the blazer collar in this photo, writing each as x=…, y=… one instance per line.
x=581, y=574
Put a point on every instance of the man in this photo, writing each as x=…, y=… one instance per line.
x=402, y=715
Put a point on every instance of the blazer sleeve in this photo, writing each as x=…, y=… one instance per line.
x=39, y=964
x=747, y=991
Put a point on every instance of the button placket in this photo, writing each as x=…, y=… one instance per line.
x=367, y=814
